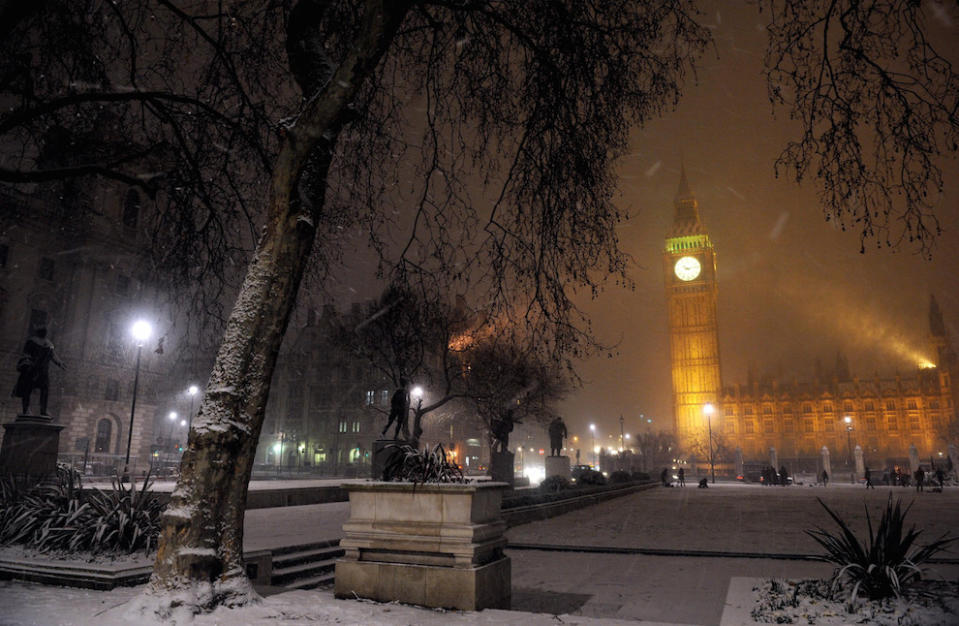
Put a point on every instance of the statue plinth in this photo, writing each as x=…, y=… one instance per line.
x=557, y=466
x=30, y=446
x=501, y=467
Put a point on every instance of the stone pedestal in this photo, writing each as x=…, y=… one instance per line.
x=383, y=451
x=557, y=466
x=436, y=545
x=30, y=446
x=501, y=467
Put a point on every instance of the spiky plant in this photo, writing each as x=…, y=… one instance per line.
x=61, y=517
x=886, y=563
x=409, y=464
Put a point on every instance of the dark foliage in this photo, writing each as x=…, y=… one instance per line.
x=555, y=484
x=422, y=466
x=619, y=477
x=640, y=476
x=62, y=517
x=886, y=562
x=591, y=477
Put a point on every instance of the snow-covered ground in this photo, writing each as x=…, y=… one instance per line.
x=584, y=588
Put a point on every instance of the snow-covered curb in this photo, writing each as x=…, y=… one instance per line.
x=743, y=595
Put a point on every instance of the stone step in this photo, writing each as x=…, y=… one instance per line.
x=287, y=575
x=332, y=543
x=290, y=559
x=323, y=580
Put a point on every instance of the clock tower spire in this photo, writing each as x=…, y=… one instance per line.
x=689, y=270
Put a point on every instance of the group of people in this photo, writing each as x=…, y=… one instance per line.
x=680, y=477
x=770, y=477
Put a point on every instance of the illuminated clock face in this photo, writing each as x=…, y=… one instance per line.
x=687, y=268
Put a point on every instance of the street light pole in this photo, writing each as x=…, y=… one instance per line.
x=622, y=435
x=592, y=441
x=848, y=421
x=141, y=331
x=708, y=409
x=192, y=391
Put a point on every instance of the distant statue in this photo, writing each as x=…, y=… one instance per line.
x=400, y=411
x=34, y=369
x=557, y=432
x=500, y=429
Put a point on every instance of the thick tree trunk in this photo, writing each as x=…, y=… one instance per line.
x=199, y=563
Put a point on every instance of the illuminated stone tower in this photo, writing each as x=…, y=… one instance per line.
x=689, y=267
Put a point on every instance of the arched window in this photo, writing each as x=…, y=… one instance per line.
x=104, y=428
x=131, y=209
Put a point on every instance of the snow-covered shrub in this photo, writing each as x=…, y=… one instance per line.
x=409, y=464
x=591, y=477
x=886, y=562
x=62, y=517
x=554, y=484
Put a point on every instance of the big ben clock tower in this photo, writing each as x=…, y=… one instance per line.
x=689, y=266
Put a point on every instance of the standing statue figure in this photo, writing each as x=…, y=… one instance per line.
x=557, y=432
x=400, y=410
x=500, y=429
x=34, y=368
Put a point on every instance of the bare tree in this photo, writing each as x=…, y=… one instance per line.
x=292, y=122
x=459, y=355
x=657, y=448
x=877, y=105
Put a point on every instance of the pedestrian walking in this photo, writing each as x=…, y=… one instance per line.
x=869, y=484
x=919, y=476
x=682, y=477
x=940, y=477
x=663, y=476
x=825, y=479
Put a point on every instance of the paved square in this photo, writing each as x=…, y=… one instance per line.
x=727, y=517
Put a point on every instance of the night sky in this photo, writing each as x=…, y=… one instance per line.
x=792, y=287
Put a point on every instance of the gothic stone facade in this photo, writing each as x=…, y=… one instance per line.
x=885, y=415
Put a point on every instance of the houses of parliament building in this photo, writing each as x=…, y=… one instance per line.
x=884, y=416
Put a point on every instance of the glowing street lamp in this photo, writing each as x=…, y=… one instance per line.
x=192, y=391
x=848, y=421
x=141, y=332
x=709, y=409
x=172, y=417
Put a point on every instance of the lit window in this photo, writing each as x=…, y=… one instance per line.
x=342, y=426
x=356, y=427
x=370, y=397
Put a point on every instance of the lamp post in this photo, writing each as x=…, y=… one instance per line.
x=592, y=440
x=416, y=393
x=708, y=410
x=141, y=331
x=622, y=435
x=848, y=421
x=169, y=440
x=193, y=390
